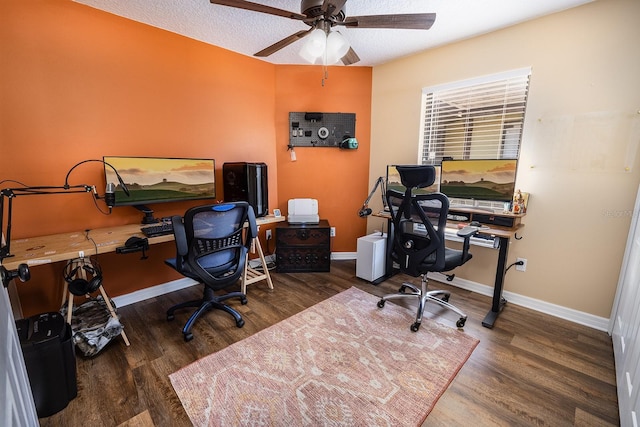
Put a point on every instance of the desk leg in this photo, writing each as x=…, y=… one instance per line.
x=112, y=311
x=81, y=273
x=250, y=275
x=498, y=301
x=264, y=263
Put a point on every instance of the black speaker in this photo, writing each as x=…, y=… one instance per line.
x=247, y=182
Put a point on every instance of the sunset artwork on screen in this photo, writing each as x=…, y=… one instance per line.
x=479, y=179
x=157, y=180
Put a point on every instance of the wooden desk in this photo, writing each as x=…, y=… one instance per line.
x=65, y=246
x=502, y=237
x=40, y=250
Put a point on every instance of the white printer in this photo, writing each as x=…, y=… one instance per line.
x=303, y=211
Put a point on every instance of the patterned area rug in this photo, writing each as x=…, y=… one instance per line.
x=342, y=362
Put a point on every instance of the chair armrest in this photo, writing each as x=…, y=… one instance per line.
x=253, y=226
x=466, y=234
x=180, y=236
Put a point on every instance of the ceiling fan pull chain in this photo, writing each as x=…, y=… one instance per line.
x=325, y=74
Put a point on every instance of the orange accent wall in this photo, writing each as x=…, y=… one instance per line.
x=335, y=177
x=77, y=83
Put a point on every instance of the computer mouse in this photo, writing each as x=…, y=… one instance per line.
x=135, y=241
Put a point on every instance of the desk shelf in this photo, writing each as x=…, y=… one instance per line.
x=501, y=219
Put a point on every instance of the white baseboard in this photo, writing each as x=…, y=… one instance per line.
x=582, y=318
x=153, y=292
x=342, y=256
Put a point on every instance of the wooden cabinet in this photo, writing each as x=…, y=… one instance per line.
x=303, y=247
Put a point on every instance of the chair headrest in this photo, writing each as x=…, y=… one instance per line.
x=416, y=176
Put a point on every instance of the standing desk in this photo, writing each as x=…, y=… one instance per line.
x=39, y=250
x=500, y=237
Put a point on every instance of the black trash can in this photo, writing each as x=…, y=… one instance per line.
x=49, y=355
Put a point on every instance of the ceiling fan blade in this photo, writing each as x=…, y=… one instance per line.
x=409, y=21
x=255, y=7
x=331, y=6
x=351, y=57
x=283, y=43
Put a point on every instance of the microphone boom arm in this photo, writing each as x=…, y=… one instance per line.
x=365, y=211
x=11, y=193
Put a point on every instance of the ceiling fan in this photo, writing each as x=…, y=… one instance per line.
x=323, y=15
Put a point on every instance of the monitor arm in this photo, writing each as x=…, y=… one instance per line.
x=148, y=214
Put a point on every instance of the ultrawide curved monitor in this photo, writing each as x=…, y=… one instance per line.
x=481, y=179
x=160, y=180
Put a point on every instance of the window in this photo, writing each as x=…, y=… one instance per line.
x=480, y=118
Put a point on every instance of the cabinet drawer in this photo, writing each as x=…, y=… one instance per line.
x=292, y=259
x=303, y=236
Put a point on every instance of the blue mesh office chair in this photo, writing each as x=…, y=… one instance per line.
x=418, y=243
x=212, y=245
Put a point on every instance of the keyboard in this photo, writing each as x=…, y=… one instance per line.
x=154, y=230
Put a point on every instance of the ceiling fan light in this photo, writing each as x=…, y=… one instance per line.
x=332, y=58
x=337, y=47
x=315, y=46
x=337, y=43
x=307, y=56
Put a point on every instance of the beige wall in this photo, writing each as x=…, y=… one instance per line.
x=578, y=158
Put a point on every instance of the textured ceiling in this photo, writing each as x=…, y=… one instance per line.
x=248, y=32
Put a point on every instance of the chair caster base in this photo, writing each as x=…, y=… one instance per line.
x=415, y=327
x=170, y=317
x=188, y=337
x=240, y=323
x=381, y=303
x=461, y=321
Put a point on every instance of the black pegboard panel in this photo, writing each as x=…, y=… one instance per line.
x=320, y=129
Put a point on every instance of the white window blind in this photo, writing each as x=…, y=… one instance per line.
x=480, y=118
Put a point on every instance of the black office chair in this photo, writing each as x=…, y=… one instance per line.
x=418, y=242
x=212, y=245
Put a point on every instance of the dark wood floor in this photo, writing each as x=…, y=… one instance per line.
x=530, y=369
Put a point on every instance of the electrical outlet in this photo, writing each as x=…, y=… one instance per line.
x=333, y=232
x=522, y=267
x=268, y=234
